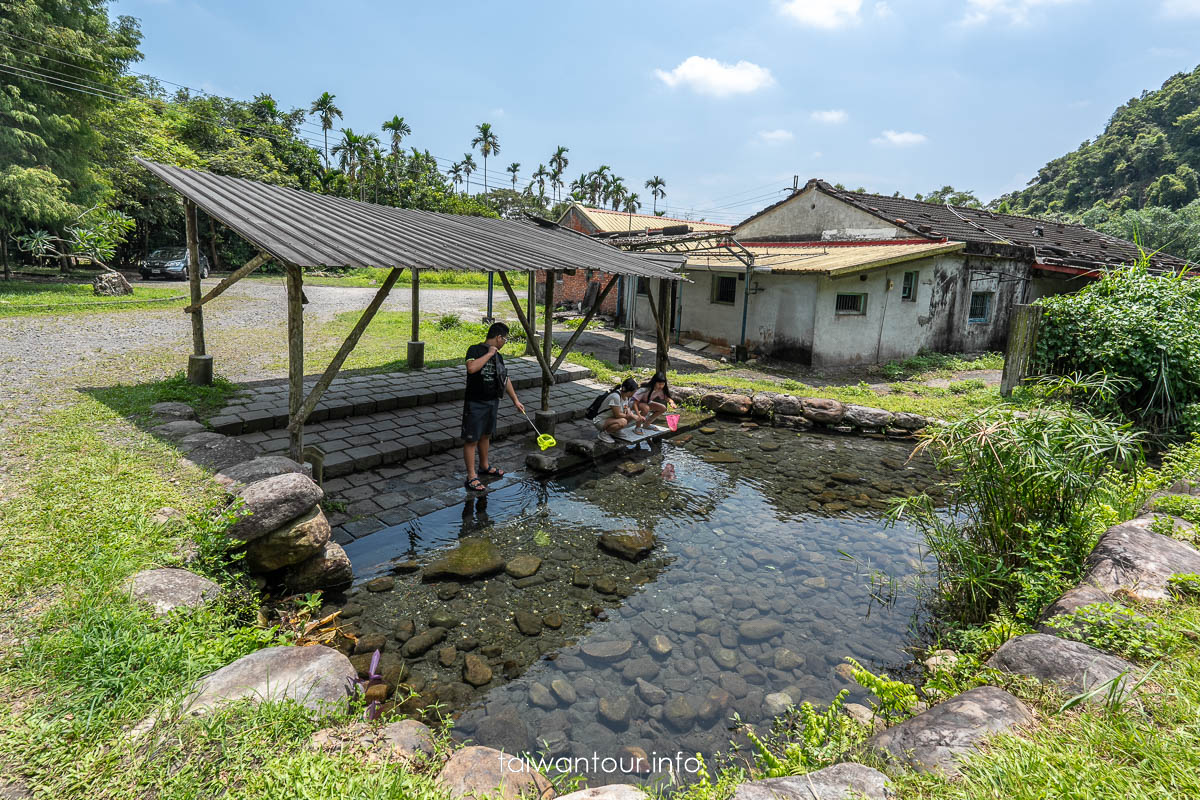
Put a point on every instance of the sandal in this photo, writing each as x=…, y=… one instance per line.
x=493, y=472
x=474, y=485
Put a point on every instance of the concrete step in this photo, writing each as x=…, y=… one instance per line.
x=265, y=408
x=361, y=442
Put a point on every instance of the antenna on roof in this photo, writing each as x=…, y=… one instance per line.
x=795, y=183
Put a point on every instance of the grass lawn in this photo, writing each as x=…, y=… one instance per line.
x=32, y=297
x=433, y=279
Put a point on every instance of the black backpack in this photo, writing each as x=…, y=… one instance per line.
x=594, y=409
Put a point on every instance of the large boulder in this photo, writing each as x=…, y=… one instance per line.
x=933, y=741
x=1071, y=601
x=788, y=405
x=1073, y=666
x=273, y=501
x=111, y=284
x=725, y=403
x=1130, y=557
x=406, y=740
x=840, y=782
x=317, y=677
x=170, y=410
x=294, y=542
x=328, y=568
x=215, y=451
x=165, y=590
x=909, y=422
x=257, y=469
x=822, y=411
x=482, y=772
x=177, y=429
x=629, y=545
x=763, y=403
x=473, y=558
x=867, y=417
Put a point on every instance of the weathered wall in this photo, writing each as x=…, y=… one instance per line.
x=780, y=318
x=815, y=215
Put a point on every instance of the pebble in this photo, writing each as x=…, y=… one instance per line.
x=383, y=583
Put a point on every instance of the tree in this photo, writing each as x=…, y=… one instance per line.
x=399, y=129
x=616, y=192
x=348, y=151
x=598, y=179
x=952, y=196
x=539, y=177
x=658, y=188
x=455, y=173
x=632, y=203
x=488, y=144
x=558, y=166
x=325, y=109
x=513, y=169
x=468, y=166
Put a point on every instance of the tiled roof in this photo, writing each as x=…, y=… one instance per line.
x=822, y=257
x=608, y=221
x=1052, y=242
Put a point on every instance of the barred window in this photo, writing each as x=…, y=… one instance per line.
x=908, y=291
x=643, y=286
x=851, y=304
x=724, y=289
x=981, y=307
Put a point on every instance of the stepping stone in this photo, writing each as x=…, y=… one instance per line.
x=257, y=469
x=933, y=741
x=473, y=558
x=272, y=502
x=478, y=772
x=839, y=782
x=1130, y=557
x=1073, y=666
x=317, y=677
x=174, y=431
x=168, y=589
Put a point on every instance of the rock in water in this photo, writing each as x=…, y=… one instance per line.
x=473, y=558
x=111, y=284
x=294, y=542
x=329, y=567
x=420, y=644
x=630, y=545
x=317, y=677
x=607, y=651
x=757, y=630
x=522, y=566
x=476, y=671
x=167, y=589
x=273, y=501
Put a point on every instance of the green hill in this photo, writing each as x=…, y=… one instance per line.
x=1148, y=155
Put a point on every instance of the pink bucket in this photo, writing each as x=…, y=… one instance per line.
x=673, y=421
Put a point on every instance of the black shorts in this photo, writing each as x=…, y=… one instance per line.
x=479, y=419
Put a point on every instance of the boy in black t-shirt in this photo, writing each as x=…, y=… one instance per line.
x=487, y=380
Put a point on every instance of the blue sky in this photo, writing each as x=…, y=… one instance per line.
x=725, y=101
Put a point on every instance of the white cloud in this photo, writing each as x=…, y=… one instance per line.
x=834, y=116
x=883, y=10
x=1181, y=8
x=899, y=139
x=777, y=136
x=709, y=76
x=1015, y=12
x=826, y=14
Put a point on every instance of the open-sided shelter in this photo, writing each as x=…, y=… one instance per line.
x=301, y=229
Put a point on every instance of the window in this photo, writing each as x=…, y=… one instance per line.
x=851, y=304
x=724, y=289
x=981, y=307
x=908, y=291
x=643, y=287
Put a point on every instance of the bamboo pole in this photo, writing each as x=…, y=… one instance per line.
x=548, y=341
x=344, y=351
x=233, y=278
x=295, y=307
x=193, y=246
x=587, y=318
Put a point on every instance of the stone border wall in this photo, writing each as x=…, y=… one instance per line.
x=803, y=413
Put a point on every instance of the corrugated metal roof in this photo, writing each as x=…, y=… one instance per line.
x=819, y=258
x=608, y=221
x=314, y=230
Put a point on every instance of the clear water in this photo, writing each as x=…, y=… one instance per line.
x=759, y=585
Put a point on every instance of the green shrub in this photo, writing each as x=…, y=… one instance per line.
x=803, y=739
x=965, y=386
x=448, y=322
x=1140, y=326
x=1115, y=629
x=1185, y=585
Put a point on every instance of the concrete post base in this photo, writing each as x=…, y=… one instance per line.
x=200, y=370
x=544, y=420
x=740, y=353
x=416, y=355
x=625, y=356
x=534, y=344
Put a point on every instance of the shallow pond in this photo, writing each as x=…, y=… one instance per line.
x=756, y=592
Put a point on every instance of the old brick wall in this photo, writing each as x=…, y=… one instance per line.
x=573, y=288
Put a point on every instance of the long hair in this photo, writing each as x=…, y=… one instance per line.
x=658, y=377
x=627, y=385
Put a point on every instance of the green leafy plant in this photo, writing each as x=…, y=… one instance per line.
x=448, y=322
x=1115, y=629
x=804, y=739
x=1115, y=693
x=895, y=700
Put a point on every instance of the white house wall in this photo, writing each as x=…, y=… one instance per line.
x=817, y=216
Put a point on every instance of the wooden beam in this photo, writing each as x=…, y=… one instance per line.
x=664, y=329
x=587, y=318
x=295, y=320
x=193, y=246
x=524, y=324
x=233, y=278
x=548, y=341
x=344, y=351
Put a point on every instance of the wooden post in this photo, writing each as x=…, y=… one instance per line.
x=295, y=320
x=300, y=414
x=1022, y=340
x=512, y=296
x=416, y=348
x=200, y=370
x=531, y=311
x=583, y=326
x=548, y=340
x=230, y=280
x=663, y=342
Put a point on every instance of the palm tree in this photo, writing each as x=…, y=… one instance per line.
x=597, y=180
x=558, y=165
x=399, y=129
x=513, y=169
x=368, y=146
x=488, y=144
x=468, y=166
x=455, y=173
x=324, y=106
x=658, y=188
x=347, y=151
x=616, y=192
x=632, y=203
x=539, y=177
x=579, y=188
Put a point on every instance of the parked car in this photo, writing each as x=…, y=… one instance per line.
x=170, y=263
